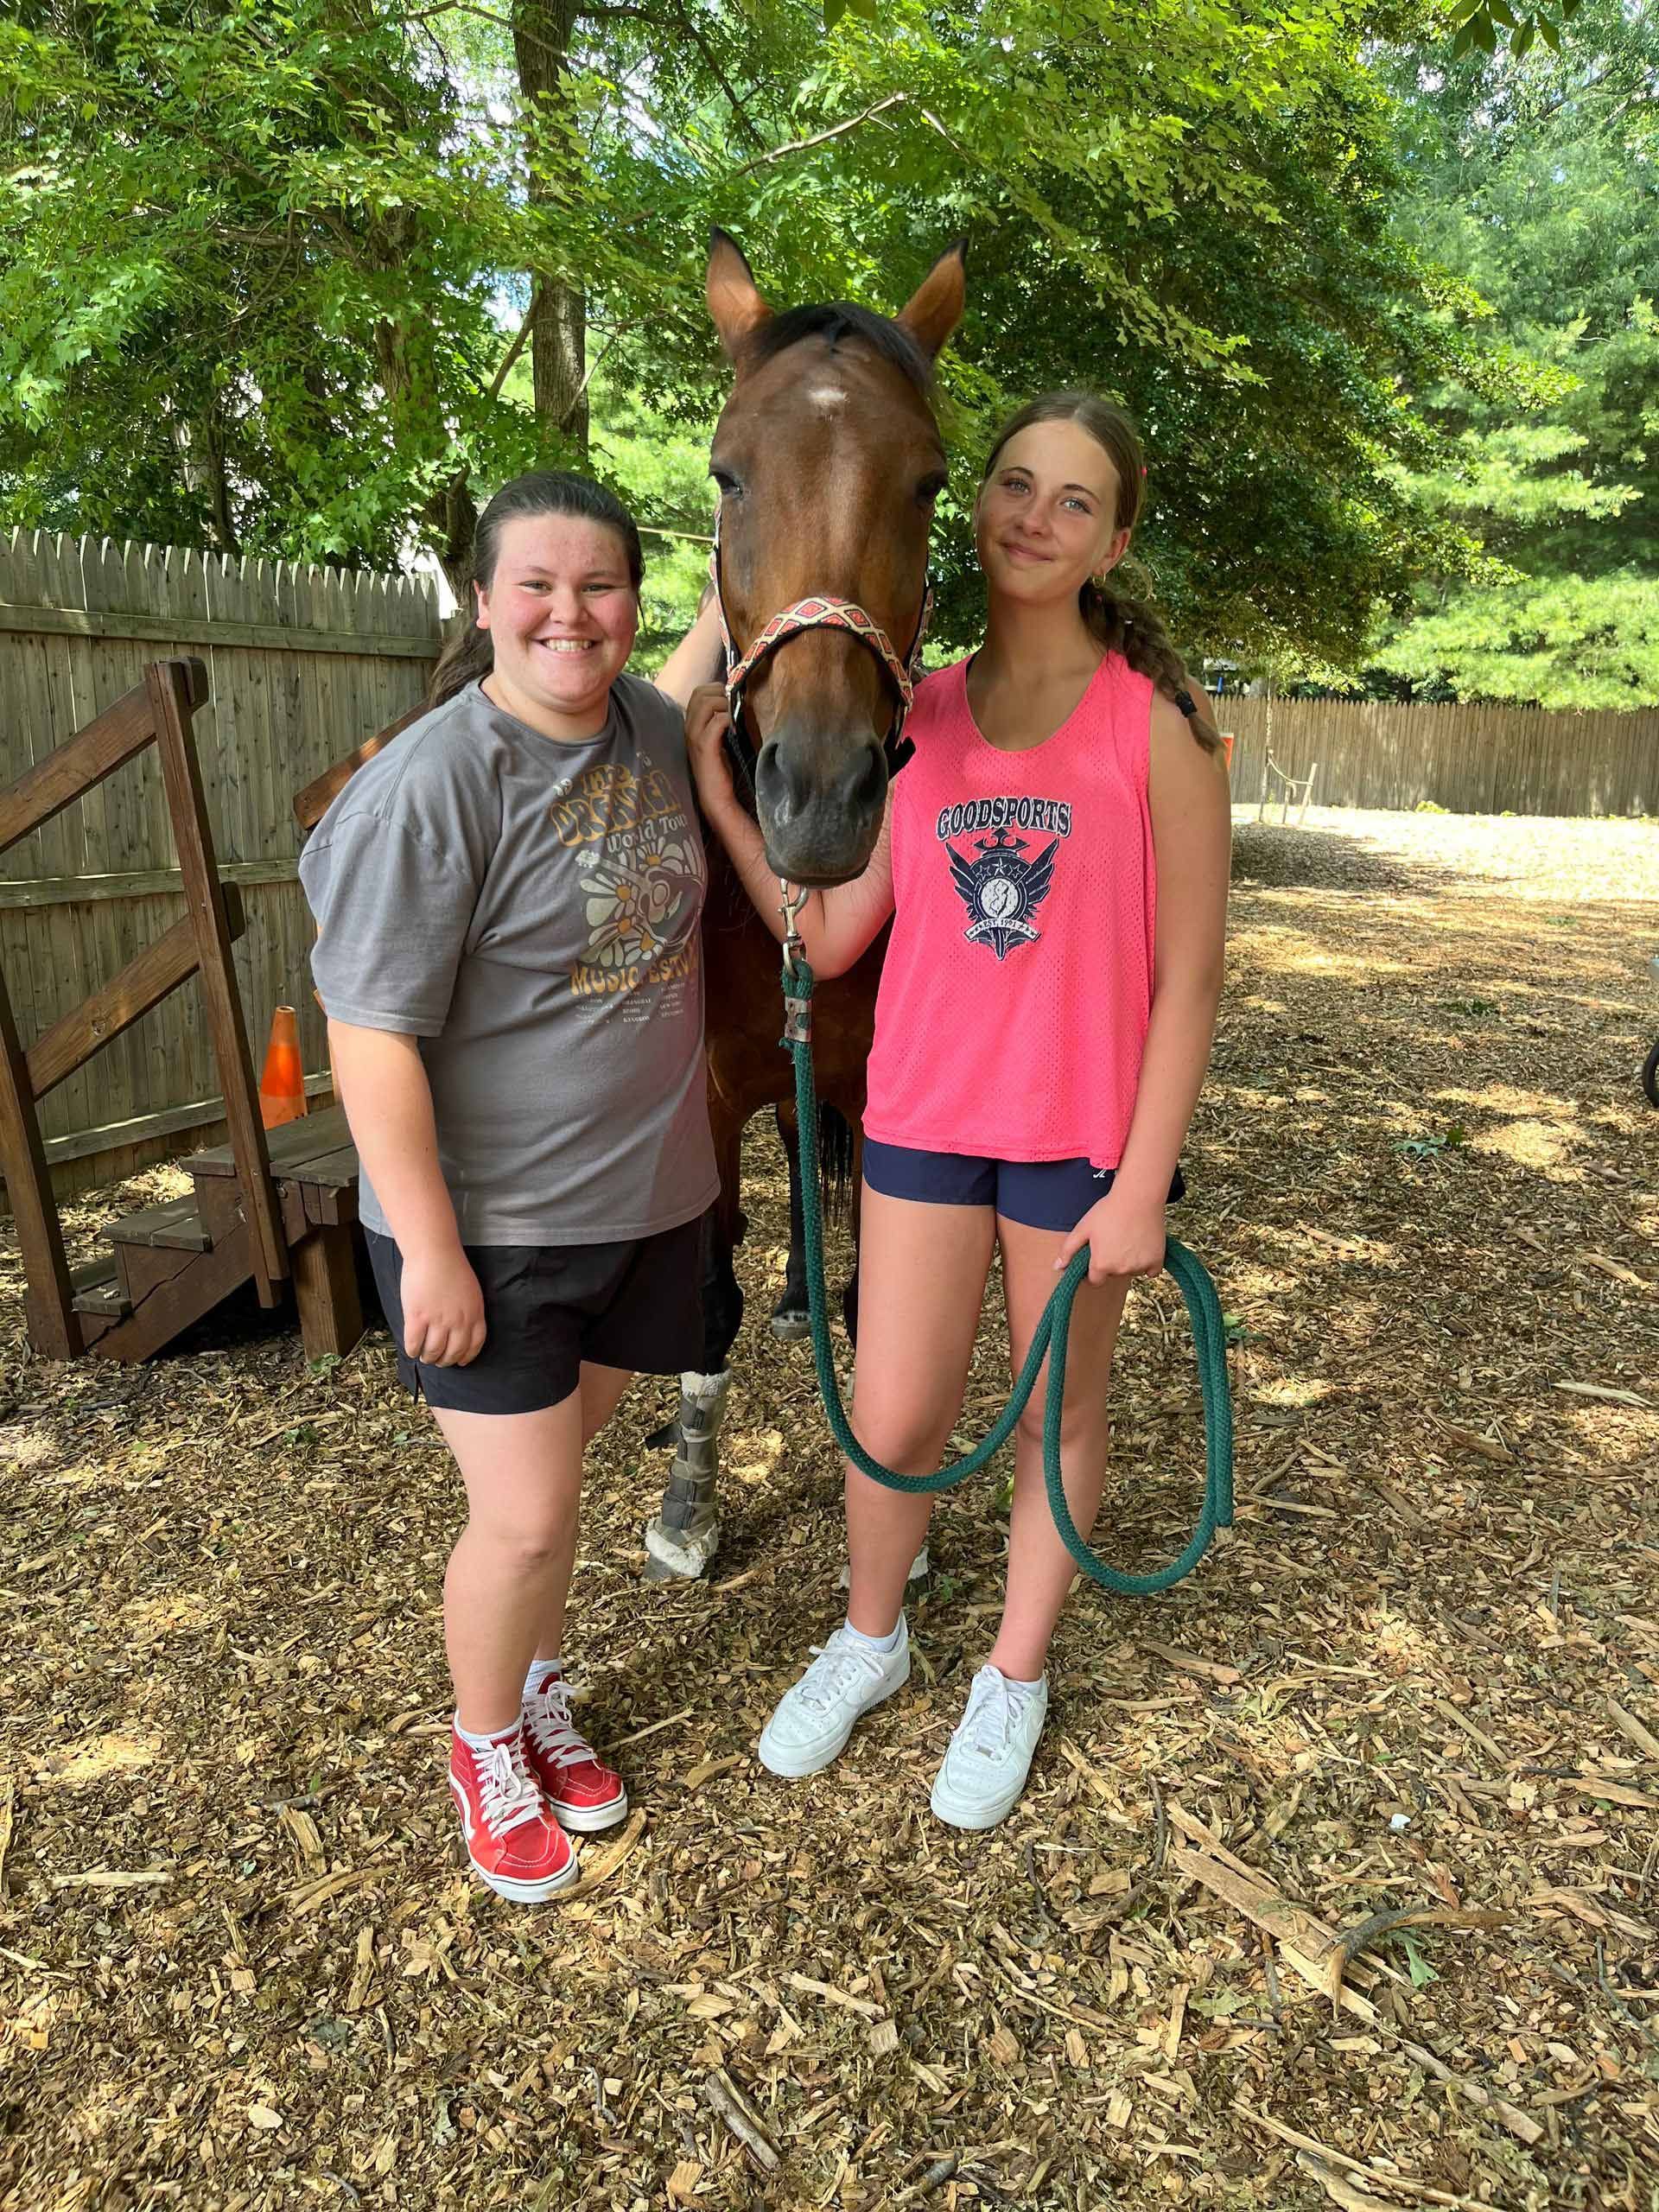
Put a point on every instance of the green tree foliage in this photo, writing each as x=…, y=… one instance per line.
x=310, y=275
x=1483, y=26
x=1535, y=182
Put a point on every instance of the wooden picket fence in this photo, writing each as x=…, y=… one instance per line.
x=304, y=663
x=1469, y=759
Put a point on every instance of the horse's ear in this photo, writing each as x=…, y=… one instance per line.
x=936, y=308
x=733, y=296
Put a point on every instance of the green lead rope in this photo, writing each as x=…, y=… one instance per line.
x=1199, y=1292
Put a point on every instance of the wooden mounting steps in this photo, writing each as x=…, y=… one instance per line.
x=170, y=1265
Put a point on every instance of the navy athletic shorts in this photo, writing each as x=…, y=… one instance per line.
x=547, y=1307
x=1041, y=1193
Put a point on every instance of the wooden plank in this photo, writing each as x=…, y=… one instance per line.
x=328, y=1171
x=138, y=883
x=170, y=710
x=131, y=829
x=96, y=752
x=178, y=629
x=314, y=801
x=177, y=1226
x=292, y=1147
x=142, y=983
x=82, y=950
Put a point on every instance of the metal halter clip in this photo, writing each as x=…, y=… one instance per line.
x=794, y=943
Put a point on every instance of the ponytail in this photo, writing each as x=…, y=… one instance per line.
x=470, y=651
x=467, y=654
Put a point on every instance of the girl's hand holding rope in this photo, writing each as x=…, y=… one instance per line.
x=1125, y=1236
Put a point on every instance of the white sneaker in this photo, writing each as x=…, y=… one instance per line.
x=989, y=1757
x=812, y=1721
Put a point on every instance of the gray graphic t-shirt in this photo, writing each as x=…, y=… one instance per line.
x=529, y=910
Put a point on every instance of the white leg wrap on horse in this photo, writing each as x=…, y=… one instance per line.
x=685, y=1534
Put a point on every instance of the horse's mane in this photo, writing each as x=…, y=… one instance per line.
x=836, y=321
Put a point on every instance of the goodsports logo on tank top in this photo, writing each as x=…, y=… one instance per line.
x=1003, y=877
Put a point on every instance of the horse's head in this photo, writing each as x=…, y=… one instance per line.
x=828, y=461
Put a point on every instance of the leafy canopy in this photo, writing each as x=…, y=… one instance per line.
x=263, y=267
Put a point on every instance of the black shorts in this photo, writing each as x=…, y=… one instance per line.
x=1040, y=1193
x=547, y=1307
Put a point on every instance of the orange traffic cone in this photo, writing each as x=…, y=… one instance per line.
x=282, y=1085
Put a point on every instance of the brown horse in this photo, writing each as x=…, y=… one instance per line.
x=828, y=457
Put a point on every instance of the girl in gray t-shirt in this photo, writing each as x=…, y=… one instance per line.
x=508, y=899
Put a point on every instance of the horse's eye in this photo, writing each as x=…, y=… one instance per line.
x=931, y=487
x=725, y=482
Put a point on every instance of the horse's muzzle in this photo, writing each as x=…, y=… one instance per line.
x=820, y=805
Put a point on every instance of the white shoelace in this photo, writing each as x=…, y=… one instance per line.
x=548, y=1717
x=993, y=1710
x=834, y=1668
x=507, y=1792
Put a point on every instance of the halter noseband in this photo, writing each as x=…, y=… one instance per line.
x=824, y=611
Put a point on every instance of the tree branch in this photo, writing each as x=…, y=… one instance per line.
x=756, y=138
x=518, y=344
x=822, y=137
x=491, y=16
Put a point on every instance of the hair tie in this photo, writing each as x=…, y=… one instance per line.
x=1183, y=701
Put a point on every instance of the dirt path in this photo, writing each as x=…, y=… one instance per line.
x=242, y=1967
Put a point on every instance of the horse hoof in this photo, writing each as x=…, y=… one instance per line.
x=676, y=1555
x=790, y=1327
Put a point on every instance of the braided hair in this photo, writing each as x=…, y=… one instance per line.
x=1122, y=623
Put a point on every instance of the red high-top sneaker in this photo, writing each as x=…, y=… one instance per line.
x=513, y=1839
x=583, y=1793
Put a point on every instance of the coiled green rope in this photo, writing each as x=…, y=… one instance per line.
x=1198, y=1292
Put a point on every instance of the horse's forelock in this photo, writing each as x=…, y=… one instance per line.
x=837, y=320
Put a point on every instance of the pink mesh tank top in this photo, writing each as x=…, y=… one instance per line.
x=1015, y=993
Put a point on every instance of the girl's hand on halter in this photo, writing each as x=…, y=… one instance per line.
x=708, y=718
x=443, y=1308
x=1125, y=1235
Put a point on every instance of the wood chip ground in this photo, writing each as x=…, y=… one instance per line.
x=1411, y=1704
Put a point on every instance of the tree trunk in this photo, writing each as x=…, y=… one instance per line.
x=453, y=513
x=541, y=41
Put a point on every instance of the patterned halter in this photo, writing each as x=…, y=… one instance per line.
x=824, y=611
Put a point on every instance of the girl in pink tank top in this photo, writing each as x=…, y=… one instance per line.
x=1054, y=863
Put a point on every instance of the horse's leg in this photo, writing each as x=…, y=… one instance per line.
x=790, y=1318
x=685, y=1534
